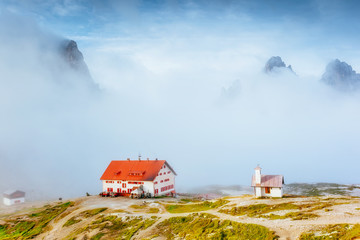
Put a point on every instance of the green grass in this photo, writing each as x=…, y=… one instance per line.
x=34, y=224
x=257, y=210
x=84, y=214
x=293, y=216
x=153, y=210
x=71, y=221
x=196, y=207
x=138, y=206
x=207, y=226
x=301, y=211
x=113, y=227
x=337, y=231
x=188, y=200
x=97, y=236
x=92, y=212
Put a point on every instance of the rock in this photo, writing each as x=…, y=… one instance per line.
x=74, y=60
x=341, y=76
x=275, y=64
x=73, y=56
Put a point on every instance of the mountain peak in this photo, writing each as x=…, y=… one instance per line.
x=341, y=75
x=73, y=56
x=275, y=63
x=74, y=59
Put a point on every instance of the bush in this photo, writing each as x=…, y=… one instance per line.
x=207, y=226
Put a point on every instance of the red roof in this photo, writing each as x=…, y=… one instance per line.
x=140, y=170
x=269, y=181
x=11, y=194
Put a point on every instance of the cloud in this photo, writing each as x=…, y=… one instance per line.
x=42, y=99
x=161, y=82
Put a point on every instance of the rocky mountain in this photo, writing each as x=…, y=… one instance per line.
x=74, y=60
x=274, y=64
x=341, y=76
x=73, y=56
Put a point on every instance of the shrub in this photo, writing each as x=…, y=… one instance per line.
x=207, y=226
x=196, y=207
x=337, y=231
x=34, y=225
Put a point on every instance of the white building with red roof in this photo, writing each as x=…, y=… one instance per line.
x=152, y=177
x=12, y=197
x=267, y=185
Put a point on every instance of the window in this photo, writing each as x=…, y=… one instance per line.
x=164, y=173
x=164, y=166
x=267, y=190
x=118, y=181
x=119, y=190
x=136, y=173
x=129, y=190
x=162, y=181
x=160, y=174
x=109, y=189
x=156, y=190
x=134, y=182
x=155, y=182
x=169, y=172
x=124, y=185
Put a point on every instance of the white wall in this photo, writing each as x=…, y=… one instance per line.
x=9, y=202
x=258, y=191
x=162, y=175
x=148, y=186
x=274, y=192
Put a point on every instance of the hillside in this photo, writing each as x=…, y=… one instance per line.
x=184, y=218
x=302, y=189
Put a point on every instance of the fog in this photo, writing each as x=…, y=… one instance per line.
x=192, y=94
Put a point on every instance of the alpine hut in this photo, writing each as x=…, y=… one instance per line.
x=149, y=178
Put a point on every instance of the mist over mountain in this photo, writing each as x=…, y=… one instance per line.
x=161, y=74
x=276, y=64
x=75, y=59
x=341, y=76
x=26, y=47
x=46, y=91
x=72, y=66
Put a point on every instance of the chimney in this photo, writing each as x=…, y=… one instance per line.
x=139, y=157
x=156, y=159
x=258, y=175
x=128, y=159
x=147, y=159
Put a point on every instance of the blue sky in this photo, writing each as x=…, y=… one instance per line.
x=84, y=18
x=184, y=81
x=327, y=27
